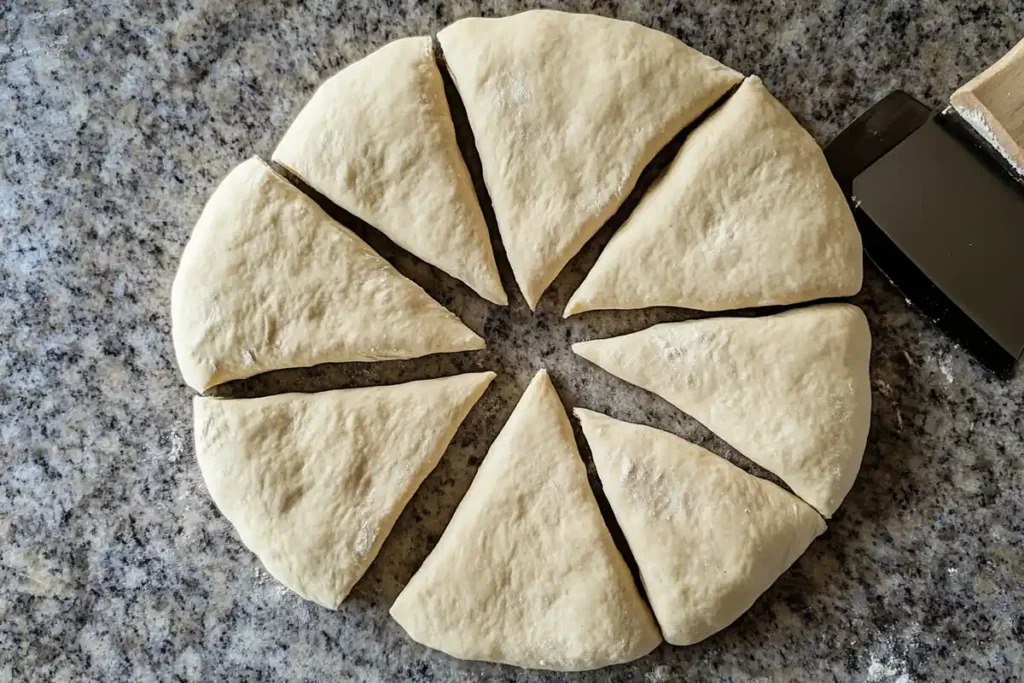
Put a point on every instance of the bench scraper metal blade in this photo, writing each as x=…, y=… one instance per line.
x=940, y=205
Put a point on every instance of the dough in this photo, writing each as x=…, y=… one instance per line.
x=993, y=105
x=269, y=281
x=789, y=391
x=747, y=214
x=378, y=141
x=708, y=537
x=526, y=572
x=567, y=109
x=314, y=482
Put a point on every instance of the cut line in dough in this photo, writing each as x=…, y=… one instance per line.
x=526, y=572
x=567, y=110
x=747, y=214
x=377, y=139
x=708, y=537
x=269, y=281
x=789, y=391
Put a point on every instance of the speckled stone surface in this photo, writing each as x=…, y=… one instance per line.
x=115, y=565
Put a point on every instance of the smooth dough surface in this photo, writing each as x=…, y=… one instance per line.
x=789, y=391
x=269, y=281
x=748, y=214
x=567, y=109
x=377, y=140
x=313, y=483
x=708, y=537
x=526, y=572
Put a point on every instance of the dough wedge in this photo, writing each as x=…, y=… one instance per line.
x=526, y=572
x=313, y=483
x=747, y=214
x=567, y=109
x=789, y=391
x=377, y=139
x=269, y=281
x=708, y=537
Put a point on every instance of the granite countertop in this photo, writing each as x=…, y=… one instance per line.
x=115, y=565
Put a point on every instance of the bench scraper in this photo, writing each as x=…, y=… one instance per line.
x=939, y=199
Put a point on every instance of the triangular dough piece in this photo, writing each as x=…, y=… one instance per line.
x=377, y=140
x=269, y=281
x=748, y=214
x=789, y=391
x=314, y=482
x=526, y=572
x=567, y=109
x=708, y=537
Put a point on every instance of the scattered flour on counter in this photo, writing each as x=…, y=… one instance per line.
x=263, y=581
x=888, y=659
x=884, y=388
x=177, y=446
x=659, y=674
x=175, y=449
x=259, y=576
x=946, y=369
x=886, y=671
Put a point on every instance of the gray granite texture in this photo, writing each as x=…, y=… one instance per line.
x=118, y=121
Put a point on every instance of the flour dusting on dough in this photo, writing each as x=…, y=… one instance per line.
x=840, y=401
x=595, y=195
x=634, y=478
x=647, y=490
x=689, y=351
x=667, y=349
x=512, y=95
x=365, y=538
x=721, y=241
